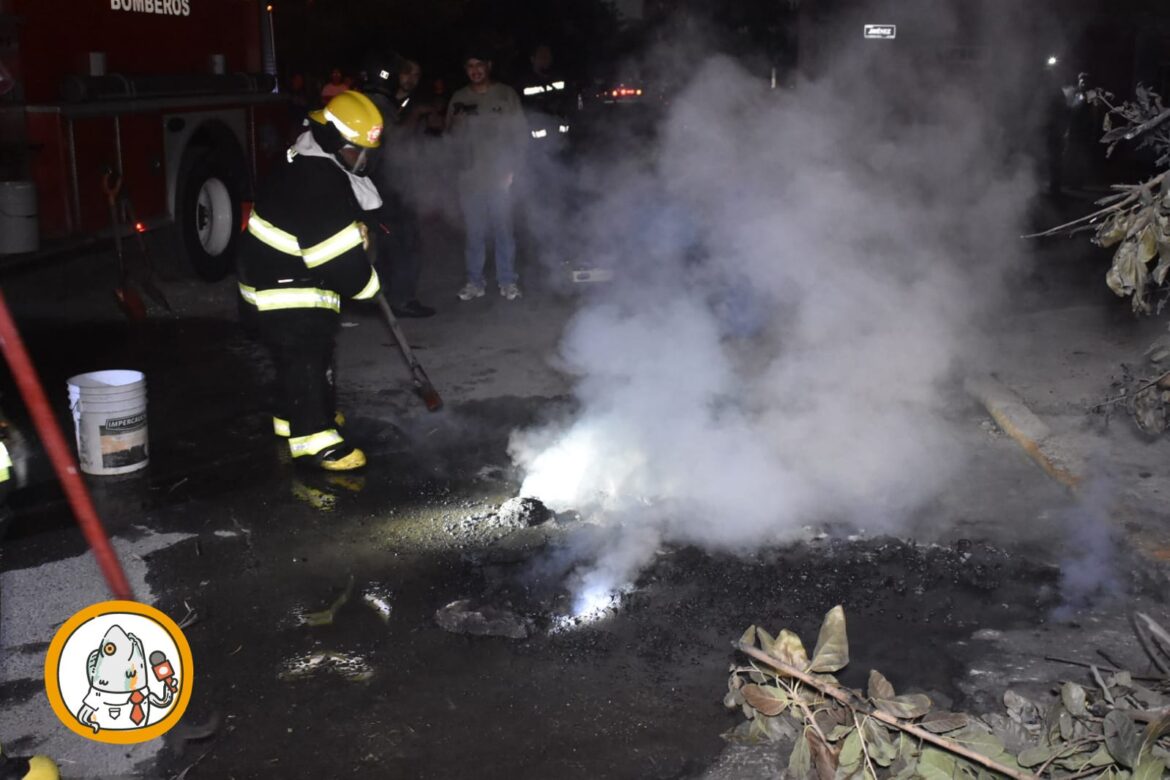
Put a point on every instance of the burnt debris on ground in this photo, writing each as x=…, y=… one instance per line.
x=426, y=702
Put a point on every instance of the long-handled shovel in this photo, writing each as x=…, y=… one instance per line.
x=422, y=383
x=128, y=298
x=148, y=275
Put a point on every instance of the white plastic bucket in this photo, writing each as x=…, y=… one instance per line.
x=18, y=217
x=109, y=419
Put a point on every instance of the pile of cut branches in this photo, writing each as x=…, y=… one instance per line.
x=1113, y=729
x=1136, y=218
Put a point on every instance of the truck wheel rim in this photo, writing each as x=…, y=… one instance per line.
x=213, y=216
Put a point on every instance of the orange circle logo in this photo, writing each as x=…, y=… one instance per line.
x=119, y=672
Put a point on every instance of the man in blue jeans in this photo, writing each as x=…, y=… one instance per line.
x=487, y=126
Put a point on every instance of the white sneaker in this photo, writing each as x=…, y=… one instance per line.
x=471, y=291
x=510, y=291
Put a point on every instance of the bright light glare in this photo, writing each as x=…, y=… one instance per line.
x=594, y=603
x=589, y=466
x=1052, y=60
x=556, y=475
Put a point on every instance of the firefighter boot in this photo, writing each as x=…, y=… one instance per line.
x=281, y=428
x=340, y=457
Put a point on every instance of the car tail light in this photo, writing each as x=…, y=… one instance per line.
x=622, y=93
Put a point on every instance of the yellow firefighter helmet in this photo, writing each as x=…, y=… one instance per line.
x=356, y=118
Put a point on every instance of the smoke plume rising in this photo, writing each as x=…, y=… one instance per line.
x=1091, y=562
x=798, y=270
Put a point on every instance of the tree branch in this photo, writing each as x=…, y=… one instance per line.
x=846, y=698
x=1119, y=399
x=1148, y=644
x=1085, y=219
x=1136, y=130
x=1130, y=195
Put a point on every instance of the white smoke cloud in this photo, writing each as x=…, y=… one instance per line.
x=798, y=272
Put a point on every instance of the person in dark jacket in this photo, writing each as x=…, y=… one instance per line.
x=392, y=84
x=546, y=100
x=305, y=251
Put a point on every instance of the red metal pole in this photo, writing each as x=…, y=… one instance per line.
x=60, y=454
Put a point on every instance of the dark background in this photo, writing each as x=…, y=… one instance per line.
x=1117, y=42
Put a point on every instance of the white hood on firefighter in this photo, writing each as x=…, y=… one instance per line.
x=363, y=189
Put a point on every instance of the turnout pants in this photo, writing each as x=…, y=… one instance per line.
x=305, y=398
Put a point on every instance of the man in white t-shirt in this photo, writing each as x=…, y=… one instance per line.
x=487, y=126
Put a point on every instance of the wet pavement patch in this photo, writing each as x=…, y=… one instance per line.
x=205, y=404
x=381, y=688
x=636, y=694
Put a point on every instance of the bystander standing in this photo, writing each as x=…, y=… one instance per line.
x=392, y=84
x=334, y=88
x=487, y=125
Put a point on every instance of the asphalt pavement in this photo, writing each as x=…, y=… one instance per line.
x=220, y=529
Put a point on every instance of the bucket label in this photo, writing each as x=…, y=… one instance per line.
x=116, y=425
x=123, y=441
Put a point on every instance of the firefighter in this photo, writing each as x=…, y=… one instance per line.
x=304, y=251
x=545, y=99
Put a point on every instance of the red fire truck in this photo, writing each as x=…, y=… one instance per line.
x=174, y=96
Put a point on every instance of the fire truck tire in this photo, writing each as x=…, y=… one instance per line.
x=208, y=213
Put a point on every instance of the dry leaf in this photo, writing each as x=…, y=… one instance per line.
x=832, y=650
x=824, y=759
x=879, y=687
x=766, y=699
x=789, y=649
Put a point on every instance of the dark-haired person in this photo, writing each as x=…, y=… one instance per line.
x=334, y=87
x=393, y=86
x=487, y=125
x=545, y=96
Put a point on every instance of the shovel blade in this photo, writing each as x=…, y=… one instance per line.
x=430, y=397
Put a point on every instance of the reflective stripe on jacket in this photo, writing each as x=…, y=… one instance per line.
x=349, y=237
x=306, y=246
